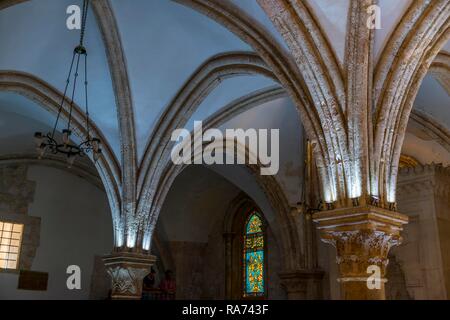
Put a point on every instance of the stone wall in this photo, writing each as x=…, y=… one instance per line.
x=200, y=267
x=327, y=262
x=423, y=195
x=396, y=285
x=189, y=261
x=16, y=194
x=67, y=222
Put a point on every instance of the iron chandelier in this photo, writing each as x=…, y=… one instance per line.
x=66, y=147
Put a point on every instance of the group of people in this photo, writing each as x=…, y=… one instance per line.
x=165, y=291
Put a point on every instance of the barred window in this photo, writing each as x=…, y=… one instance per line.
x=10, y=242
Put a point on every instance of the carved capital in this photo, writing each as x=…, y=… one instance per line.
x=362, y=237
x=127, y=271
x=357, y=250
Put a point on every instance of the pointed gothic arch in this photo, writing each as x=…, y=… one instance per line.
x=48, y=98
x=245, y=251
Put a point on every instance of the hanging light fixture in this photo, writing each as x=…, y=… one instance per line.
x=49, y=143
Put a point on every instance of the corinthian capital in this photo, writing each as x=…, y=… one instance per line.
x=362, y=237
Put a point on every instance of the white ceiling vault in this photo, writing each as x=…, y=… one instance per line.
x=332, y=15
x=35, y=40
x=164, y=43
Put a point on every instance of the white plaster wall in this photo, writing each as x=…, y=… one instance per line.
x=76, y=225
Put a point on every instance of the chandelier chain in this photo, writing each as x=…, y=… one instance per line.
x=86, y=97
x=73, y=91
x=83, y=20
x=64, y=94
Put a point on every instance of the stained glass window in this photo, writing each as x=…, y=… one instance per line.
x=253, y=259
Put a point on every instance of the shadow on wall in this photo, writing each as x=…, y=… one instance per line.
x=396, y=285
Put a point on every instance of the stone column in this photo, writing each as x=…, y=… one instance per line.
x=127, y=271
x=362, y=237
x=302, y=284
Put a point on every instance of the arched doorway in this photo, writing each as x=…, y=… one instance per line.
x=193, y=231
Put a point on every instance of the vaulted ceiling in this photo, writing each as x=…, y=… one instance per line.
x=164, y=43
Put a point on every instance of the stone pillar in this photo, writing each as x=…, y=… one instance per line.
x=127, y=271
x=362, y=237
x=302, y=284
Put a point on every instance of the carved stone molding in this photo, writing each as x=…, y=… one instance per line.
x=167, y=171
x=296, y=79
x=127, y=271
x=124, y=105
x=283, y=225
x=357, y=250
x=405, y=61
x=432, y=127
x=190, y=96
x=440, y=69
x=8, y=3
x=362, y=237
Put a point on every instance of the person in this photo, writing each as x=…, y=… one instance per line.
x=148, y=285
x=168, y=286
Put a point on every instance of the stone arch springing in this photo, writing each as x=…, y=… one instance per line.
x=396, y=84
x=320, y=110
x=177, y=114
x=82, y=170
x=440, y=69
x=119, y=76
x=284, y=227
x=202, y=82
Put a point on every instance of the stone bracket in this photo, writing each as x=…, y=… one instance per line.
x=358, y=218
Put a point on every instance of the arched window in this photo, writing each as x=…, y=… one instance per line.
x=254, y=258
